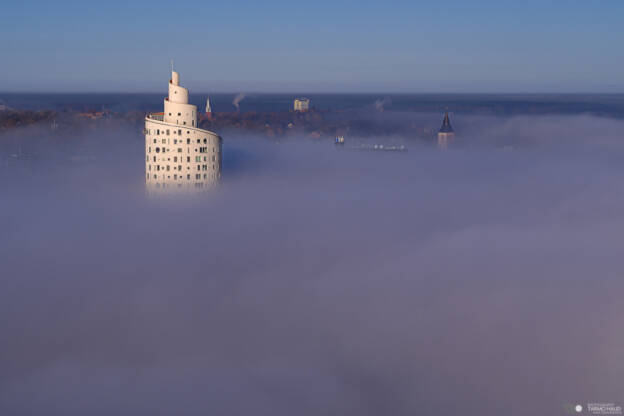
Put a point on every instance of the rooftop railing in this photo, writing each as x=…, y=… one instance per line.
x=156, y=116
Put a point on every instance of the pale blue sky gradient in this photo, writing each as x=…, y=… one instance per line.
x=314, y=46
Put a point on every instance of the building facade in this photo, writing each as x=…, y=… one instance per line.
x=301, y=104
x=178, y=154
x=446, y=135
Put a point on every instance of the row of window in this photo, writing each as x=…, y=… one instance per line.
x=198, y=176
x=165, y=150
x=178, y=185
x=179, y=167
x=179, y=114
x=159, y=131
x=188, y=158
x=175, y=141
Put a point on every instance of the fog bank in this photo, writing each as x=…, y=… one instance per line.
x=483, y=280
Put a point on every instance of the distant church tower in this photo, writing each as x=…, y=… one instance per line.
x=208, y=109
x=178, y=154
x=446, y=135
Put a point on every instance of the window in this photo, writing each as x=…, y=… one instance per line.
x=175, y=158
x=154, y=141
x=149, y=149
x=157, y=167
x=157, y=132
x=198, y=141
x=188, y=141
x=167, y=168
x=175, y=176
x=180, y=168
x=198, y=167
x=168, y=132
x=179, y=114
x=164, y=141
x=179, y=150
x=180, y=132
x=158, y=150
x=192, y=122
x=205, y=141
x=154, y=158
x=197, y=158
x=213, y=158
x=188, y=158
x=188, y=176
x=184, y=123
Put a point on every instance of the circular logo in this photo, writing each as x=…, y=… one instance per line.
x=578, y=408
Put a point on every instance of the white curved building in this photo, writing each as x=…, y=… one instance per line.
x=178, y=154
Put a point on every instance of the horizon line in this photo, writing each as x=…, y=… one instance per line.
x=319, y=92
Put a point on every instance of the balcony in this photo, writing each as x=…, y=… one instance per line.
x=157, y=116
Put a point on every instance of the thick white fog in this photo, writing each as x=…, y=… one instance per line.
x=482, y=280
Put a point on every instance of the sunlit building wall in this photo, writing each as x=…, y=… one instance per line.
x=301, y=104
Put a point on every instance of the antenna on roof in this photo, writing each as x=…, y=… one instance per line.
x=172, y=65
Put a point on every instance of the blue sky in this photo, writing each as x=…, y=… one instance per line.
x=314, y=46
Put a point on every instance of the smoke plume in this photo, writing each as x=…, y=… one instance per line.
x=381, y=103
x=239, y=97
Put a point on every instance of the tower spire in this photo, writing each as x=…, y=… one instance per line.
x=446, y=124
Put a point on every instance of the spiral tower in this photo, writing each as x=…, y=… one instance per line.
x=178, y=154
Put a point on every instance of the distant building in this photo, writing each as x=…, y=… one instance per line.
x=446, y=135
x=178, y=154
x=302, y=104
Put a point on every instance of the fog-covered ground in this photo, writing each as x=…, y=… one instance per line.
x=483, y=280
